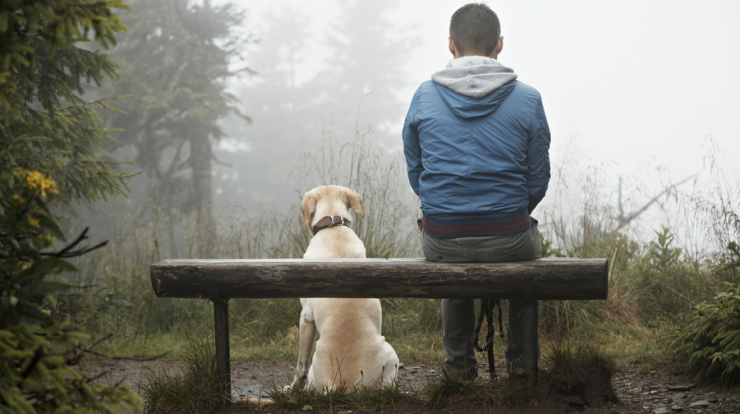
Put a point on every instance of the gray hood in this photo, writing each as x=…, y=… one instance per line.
x=474, y=76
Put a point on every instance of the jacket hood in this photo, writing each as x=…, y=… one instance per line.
x=474, y=86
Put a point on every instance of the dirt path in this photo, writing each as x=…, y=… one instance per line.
x=650, y=394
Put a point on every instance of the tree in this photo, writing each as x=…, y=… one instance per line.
x=46, y=125
x=352, y=97
x=284, y=114
x=365, y=71
x=48, y=141
x=175, y=63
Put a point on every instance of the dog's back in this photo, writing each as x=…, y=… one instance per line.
x=350, y=350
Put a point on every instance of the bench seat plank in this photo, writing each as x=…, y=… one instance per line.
x=551, y=278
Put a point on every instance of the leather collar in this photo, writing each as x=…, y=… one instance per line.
x=330, y=221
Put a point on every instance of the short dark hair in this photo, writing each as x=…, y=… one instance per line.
x=475, y=28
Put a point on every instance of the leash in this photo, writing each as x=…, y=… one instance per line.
x=486, y=312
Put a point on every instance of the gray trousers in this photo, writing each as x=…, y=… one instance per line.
x=458, y=315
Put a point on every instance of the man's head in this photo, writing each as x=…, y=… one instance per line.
x=475, y=31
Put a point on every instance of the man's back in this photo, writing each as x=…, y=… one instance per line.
x=477, y=159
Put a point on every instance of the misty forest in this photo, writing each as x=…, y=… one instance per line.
x=137, y=131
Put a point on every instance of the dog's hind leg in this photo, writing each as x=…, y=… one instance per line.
x=305, y=345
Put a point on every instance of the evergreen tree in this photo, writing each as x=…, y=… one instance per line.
x=175, y=63
x=364, y=71
x=48, y=142
x=285, y=117
x=45, y=124
x=353, y=96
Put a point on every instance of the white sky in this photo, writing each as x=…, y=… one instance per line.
x=630, y=81
x=631, y=85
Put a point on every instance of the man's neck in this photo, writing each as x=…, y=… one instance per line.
x=492, y=56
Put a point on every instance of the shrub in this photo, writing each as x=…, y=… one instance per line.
x=707, y=339
x=37, y=357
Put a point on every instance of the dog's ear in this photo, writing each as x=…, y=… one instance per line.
x=308, y=207
x=355, y=202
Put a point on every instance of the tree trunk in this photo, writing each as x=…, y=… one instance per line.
x=201, y=154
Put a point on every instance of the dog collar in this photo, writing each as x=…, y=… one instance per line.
x=330, y=221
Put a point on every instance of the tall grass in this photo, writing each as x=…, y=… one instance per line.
x=649, y=282
x=200, y=388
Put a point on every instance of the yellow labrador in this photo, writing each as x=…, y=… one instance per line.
x=350, y=350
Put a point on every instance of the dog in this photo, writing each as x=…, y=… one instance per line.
x=350, y=351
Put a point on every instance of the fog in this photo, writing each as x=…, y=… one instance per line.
x=642, y=91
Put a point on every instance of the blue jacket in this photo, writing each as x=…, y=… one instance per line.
x=479, y=166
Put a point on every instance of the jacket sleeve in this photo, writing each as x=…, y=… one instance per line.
x=538, y=158
x=411, y=146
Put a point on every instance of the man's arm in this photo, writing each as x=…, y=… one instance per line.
x=538, y=158
x=411, y=147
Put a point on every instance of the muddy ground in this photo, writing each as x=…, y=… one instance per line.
x=656, y=393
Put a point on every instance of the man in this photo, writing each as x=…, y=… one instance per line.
x=476, y=142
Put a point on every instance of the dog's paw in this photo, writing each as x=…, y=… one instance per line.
x=297, y=384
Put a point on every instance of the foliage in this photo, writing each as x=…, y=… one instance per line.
x=45, y=125
x=173, y=117
x=200, y=389
x=49, y=138
x=707, y=339
x=666, y=282
x=38, y=379
x=34, y=376
x=26, y=228
x=580, y=368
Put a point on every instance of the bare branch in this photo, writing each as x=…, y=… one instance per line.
x=623, y=221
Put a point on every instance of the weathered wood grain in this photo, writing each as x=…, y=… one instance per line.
x=552, y=278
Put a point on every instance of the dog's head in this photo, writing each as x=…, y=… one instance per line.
x=329, y=200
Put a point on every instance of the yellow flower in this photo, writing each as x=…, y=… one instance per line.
x=40, y=183
x=18, y=198
x=32, y=221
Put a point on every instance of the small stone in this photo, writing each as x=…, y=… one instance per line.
x=699, y=404
x=661, y=410
x=634, y=390
x=575, y=401
x=679, y=396
x=676, y=408
x=653, y=392
x=681, y=387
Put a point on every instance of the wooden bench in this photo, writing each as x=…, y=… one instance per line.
x=221, y=280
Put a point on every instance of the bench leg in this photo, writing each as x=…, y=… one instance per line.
x=530, y=337
x=221, y=319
